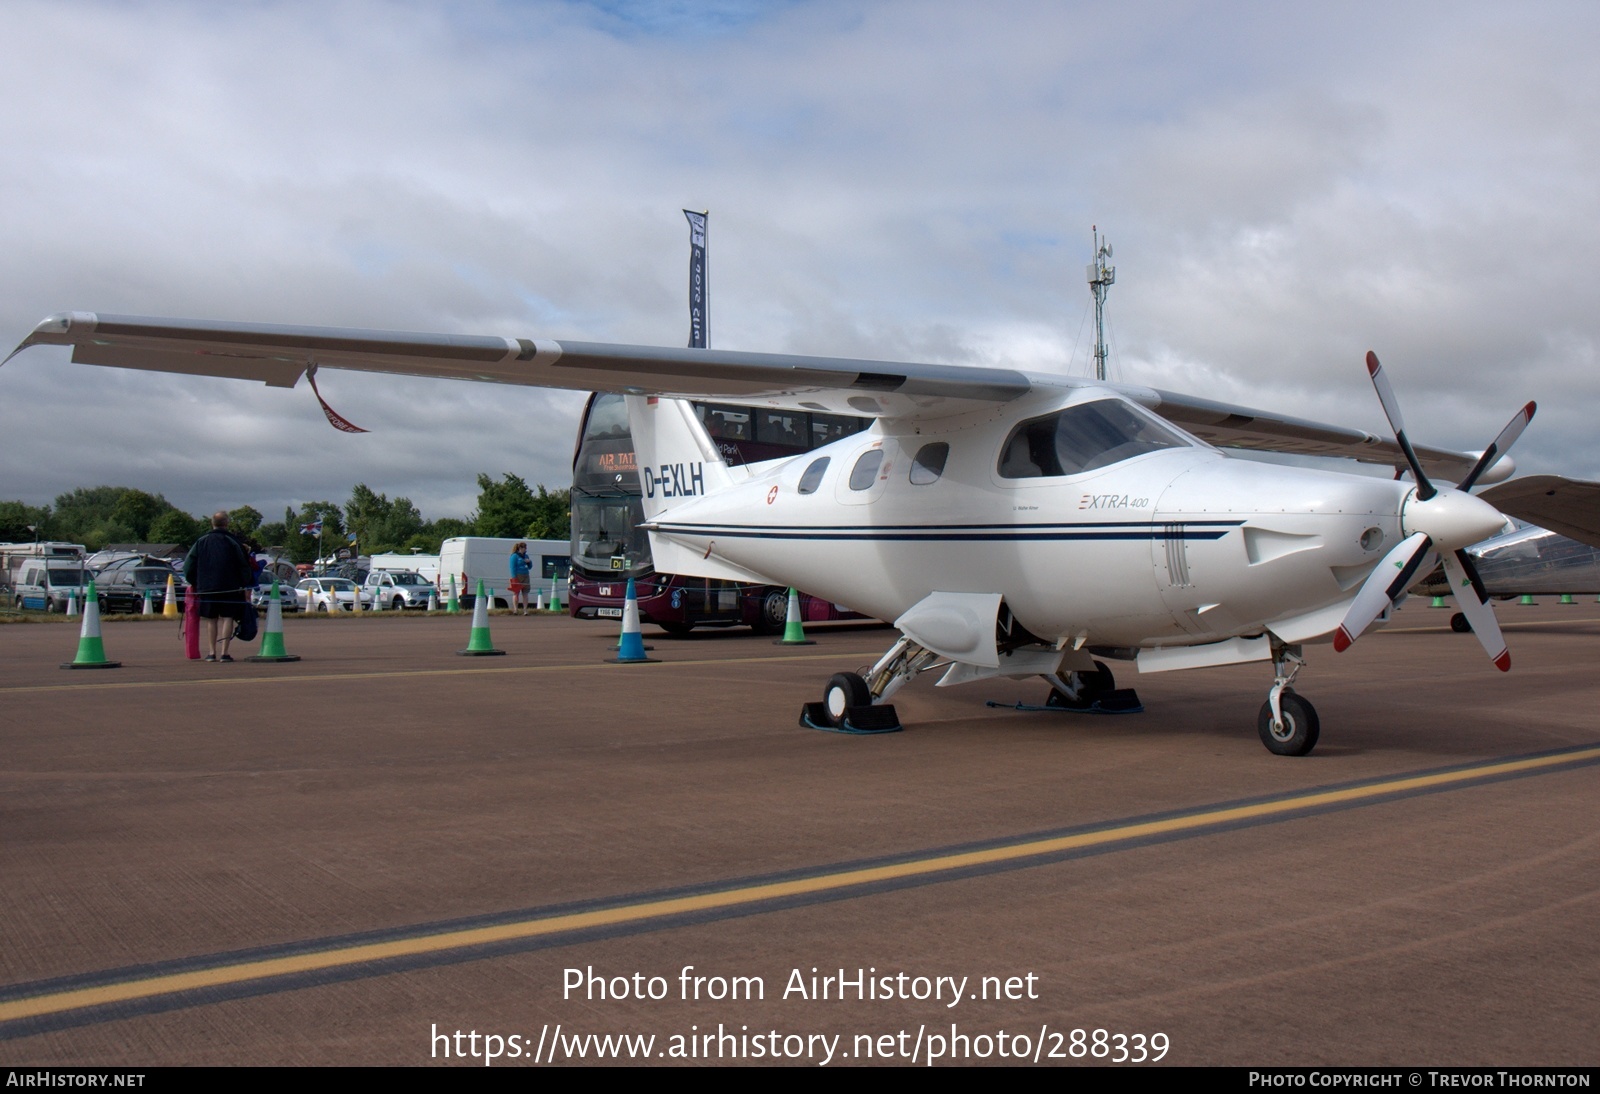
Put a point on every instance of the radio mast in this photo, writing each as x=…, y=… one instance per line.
x=1101, y=278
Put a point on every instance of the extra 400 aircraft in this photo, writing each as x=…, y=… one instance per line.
x=1008, y=523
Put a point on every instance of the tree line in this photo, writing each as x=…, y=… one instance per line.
x=98, y=516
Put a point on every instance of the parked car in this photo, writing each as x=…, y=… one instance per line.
x=330, y=594
x=122, y=588
x=399, y=588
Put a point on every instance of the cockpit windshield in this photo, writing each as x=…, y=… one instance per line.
x=1083, y=438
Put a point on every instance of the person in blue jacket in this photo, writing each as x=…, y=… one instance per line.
x=521, y=567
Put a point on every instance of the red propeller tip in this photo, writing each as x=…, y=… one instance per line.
x=1372, y=363
x=1341, y=640
x=1503, y=662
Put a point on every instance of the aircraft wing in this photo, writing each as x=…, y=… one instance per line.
x=1570, y=507
x=279, y=355
x=1228, y=426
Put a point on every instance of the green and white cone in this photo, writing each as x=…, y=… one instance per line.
x=1566, y=598
x=72, y=604
x=149, y=604
x=794, y=631
x=479, y=645
x=91, y=650
x=272, y=638
x=555, y=595
x=538, y=601
x=1526, y=601
x=377, y=597
x=1438, y=602
x=453, y=605
x=433, y=600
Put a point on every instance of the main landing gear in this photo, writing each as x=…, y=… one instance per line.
x=1287, y=723
x=854, y=703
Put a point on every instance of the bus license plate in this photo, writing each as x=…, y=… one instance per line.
x=609, y=613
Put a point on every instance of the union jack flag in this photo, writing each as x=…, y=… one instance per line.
x=313, y=528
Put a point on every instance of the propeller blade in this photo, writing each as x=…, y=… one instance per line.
x=1467, y=591
x=1502, y=444
x=1393, y=576
x=1391, y=410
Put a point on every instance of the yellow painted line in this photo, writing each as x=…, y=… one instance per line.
x=290, y=678
x=644, y=911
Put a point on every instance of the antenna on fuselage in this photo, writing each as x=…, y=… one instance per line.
x=1101, y=278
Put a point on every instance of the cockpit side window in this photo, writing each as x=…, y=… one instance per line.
x=1082, y=438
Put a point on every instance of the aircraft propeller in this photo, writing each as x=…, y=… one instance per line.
x=1441, y=524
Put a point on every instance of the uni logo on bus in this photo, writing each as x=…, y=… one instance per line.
x=675, y=480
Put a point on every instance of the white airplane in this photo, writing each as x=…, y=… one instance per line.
x=1008, y=523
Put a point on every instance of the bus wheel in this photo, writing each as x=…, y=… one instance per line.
x=677, y=630
x=774, y=613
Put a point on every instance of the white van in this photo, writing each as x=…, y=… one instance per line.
x=44, y=584
x=471, y=558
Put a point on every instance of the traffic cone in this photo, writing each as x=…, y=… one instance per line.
x=479, y=645
x=794, y=632
x=630, y=649
x=272, y=638
x=1526, y=601
x=538, y=601
x=377, y=598
x=453, y=605
x=1438, y=602
x=555, y=594
x=169, y=606
x=91, y=650
x=149, y=603
x=433, y=600
x=1566, y=598
x=72, y=603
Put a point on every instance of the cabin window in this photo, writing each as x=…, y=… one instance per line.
x=1083, y=438
x=929, y=463
x=865, y=472
x=813, y=476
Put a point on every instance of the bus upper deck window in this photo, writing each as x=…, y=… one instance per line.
x=813, y=476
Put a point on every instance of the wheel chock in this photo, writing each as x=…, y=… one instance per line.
x=858, y=721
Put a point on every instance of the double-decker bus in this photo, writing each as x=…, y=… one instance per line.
x=608, y=547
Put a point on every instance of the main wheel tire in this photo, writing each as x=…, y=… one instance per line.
x=774, y=614
x=1460, y=624
x=844, y=690
x=399, y=604
x=1300, y=726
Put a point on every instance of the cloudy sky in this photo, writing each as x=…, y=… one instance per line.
x=1285, y=186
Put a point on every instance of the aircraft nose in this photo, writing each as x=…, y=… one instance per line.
x=1451, y=518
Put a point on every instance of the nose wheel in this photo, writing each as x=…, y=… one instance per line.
x=1294, y=732
x=1287, y=724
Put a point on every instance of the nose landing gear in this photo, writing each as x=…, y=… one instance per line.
x=1288, y=725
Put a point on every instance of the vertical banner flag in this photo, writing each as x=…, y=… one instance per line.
x=699, y=291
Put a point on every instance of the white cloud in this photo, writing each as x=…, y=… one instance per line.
x=1285, y=188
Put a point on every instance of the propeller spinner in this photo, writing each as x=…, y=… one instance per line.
x=1439, y=523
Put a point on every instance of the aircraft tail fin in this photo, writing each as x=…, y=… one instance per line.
x=677, y=459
